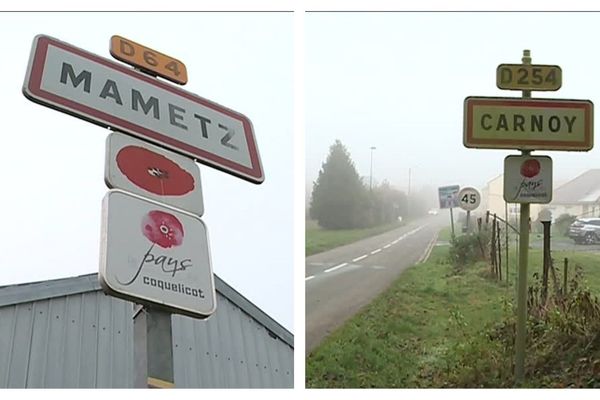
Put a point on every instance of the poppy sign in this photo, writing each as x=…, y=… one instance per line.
x=528, y=179
x=110, y=94
x=152, y=172
x=155, y=255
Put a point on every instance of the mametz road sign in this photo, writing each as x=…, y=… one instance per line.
x=528, y=77
x=110, y=94
x=528, y=124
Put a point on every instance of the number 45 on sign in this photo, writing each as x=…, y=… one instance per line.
x=469, y=198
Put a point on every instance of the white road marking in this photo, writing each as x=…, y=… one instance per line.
x=336, y=267
x=424, y=257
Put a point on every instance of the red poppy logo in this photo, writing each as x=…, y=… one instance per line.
x=154, y=172
x=162, y=228
x=530, y=168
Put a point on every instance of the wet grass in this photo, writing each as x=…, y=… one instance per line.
x=402, y=338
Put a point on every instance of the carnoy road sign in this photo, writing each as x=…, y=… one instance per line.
x=155, y=255
x=528, y=124
x=110, y=94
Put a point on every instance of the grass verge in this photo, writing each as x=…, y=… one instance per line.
x=319, y=239
x=415, y=333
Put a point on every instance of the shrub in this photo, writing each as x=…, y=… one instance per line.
x=468, y=249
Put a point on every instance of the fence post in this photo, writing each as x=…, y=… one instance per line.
x=499, y=254
x=566, y=269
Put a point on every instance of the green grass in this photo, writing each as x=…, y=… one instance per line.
x=319, y=239
x=400, y=339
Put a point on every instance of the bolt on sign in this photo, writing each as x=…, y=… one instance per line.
x=150, y=171
x=110, y=94
x=149, y=60
x=448, y=196
x=528, y=179
x=528, y=77
x=528, y=124
x=155, y=255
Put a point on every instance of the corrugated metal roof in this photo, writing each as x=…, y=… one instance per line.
x=67, y=333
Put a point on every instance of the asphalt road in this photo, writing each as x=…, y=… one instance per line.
x=340, y=281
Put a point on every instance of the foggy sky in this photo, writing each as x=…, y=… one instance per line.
x=397, y=81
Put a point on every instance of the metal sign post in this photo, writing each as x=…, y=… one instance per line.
x=521, y=333
x=152, y=348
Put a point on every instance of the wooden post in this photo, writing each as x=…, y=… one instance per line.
x=565, y=271
x=546, y=260
x=499, y=254
x=493, y=248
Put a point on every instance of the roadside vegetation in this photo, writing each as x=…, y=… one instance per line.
x=319, y=239
x=449, y=322
x=343, y=208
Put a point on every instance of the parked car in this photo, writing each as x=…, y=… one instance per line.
x=585, y=230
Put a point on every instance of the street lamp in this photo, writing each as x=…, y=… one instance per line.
x=371, y=174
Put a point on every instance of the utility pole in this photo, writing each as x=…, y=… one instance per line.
x=408, y=196
x=371, y=174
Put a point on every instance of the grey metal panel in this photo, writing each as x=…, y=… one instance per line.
x=29, y=292
x=85, y=339
x=228, y=350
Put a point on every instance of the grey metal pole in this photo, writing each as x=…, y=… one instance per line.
x=521, y=334
x=152, y=348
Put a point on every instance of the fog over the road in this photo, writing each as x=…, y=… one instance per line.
x=397, y=82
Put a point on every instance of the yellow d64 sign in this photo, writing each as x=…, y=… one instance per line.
x=147, y=59
x=528, y=124
x=528, y=77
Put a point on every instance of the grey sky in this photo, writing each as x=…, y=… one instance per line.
x=53, y=164
x=397, y=81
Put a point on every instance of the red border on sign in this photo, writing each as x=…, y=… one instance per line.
x=254, y=174
x=585, y=105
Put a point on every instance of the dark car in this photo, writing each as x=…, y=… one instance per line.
x=585, y=230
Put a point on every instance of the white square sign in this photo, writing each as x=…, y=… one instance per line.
x=528, y=179
x=157, y=255
x=150, y=171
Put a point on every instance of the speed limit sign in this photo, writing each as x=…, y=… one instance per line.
x=469, y=198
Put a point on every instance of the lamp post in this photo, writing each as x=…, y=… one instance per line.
x=371, y=174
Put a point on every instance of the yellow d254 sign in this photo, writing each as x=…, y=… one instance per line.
x=528, y=124
x=529, y=77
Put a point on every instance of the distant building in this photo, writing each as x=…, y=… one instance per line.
x=66, y=333
x=579, y=197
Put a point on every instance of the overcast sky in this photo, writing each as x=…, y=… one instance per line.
x=53, y=164
x=397, y=81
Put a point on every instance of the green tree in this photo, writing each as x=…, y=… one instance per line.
x=339, y=198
